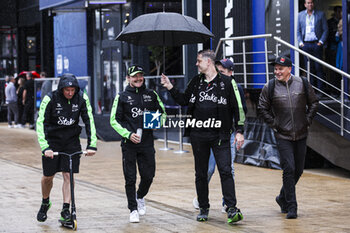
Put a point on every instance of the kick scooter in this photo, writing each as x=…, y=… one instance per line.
x=73, y=220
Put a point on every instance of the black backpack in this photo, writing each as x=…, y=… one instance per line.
x=271, y=88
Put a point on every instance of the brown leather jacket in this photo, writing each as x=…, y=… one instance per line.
x=289, y=113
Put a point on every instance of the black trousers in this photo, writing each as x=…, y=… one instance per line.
x=145, y=160
x=222, y=154
x=292, y=157
x=28, y=112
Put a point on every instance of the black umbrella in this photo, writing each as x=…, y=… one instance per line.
x=164, y=29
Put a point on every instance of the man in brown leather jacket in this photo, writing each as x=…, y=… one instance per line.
x=289, y=111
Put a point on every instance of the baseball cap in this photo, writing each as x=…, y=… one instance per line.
x=283, y=61
x=134, y=70
x=226, y=63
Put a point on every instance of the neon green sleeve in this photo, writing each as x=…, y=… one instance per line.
x=117, y=110
x=239, y=102
x=89, y=122
x=40, y=131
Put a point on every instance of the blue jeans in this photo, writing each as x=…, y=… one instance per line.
x=212, y=163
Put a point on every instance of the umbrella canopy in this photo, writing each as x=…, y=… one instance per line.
x=164, y=29
x=34, y=73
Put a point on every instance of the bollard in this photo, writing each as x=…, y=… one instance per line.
x=165, y=141
x=165, y=148
x=180, y=151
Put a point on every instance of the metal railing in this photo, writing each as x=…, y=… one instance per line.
x=327, y=102
x=244, y=54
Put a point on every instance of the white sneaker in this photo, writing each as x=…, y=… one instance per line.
x=10, y=126
x=141, y=206
x=223, y=210
x=134, y=217
x=195, y=203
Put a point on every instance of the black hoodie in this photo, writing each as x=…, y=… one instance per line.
x=58, y=121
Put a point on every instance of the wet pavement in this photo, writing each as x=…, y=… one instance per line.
x=323, y=195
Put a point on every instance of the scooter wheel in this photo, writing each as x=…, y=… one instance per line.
x=75, y=225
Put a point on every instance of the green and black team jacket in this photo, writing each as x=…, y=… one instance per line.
x=230, y=110
x=127, y=113
x=58, y=121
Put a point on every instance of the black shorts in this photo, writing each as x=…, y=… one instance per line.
x=59, y=163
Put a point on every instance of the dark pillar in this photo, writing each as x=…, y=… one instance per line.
x=218, y=23
x=46, y=45
x=190, y=9
x=346, y=42
x=139, y=54
x=90, y=15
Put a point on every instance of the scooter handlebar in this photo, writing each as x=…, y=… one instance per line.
x=80, y=152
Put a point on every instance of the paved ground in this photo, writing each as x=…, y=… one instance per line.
x=323, y=196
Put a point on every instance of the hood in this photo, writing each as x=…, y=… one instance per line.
x=68, y=80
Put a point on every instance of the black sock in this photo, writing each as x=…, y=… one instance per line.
x=65, y=206
x=46, y=201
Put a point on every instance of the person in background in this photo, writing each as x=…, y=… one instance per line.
x=339, y=38
x=11, y=101
x=28, y=101
x=46, y=87
x=331, y=49
x=312, y=32
x=289, y=111
x=332, y=23
x=21, y=81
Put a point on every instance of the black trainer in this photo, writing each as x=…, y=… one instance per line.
x=203, y=215
x=282, y=204
x=42, y=214
x=292, y=214
x=65, y=215
x=234, y=215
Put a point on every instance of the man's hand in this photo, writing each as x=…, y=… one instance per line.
x=135, y=138
x=90, y=152
x=49, y=154
x=239, y=139
x=166, y=82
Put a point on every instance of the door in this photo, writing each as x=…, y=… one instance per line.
x=112, y=79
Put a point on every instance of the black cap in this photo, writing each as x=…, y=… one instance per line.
x=283, y=61
x=134, y=70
